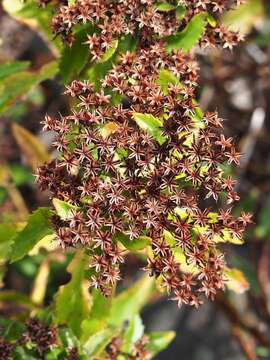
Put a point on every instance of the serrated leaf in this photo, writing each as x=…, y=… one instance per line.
x=110, y=52
x=34, y=151
x=10, y=68
x=63, y=209
x=159, y=341
x=187, y=38
x=18, y=85
x=236, y=281
x=245, y=17
x=133, y=245
x=129, y=302
x=74, y=58
x=133, y=333
x=37, y=227
x=73, y=301
x=151, y=124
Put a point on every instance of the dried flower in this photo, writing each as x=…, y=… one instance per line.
x=5, y=349
x=121, y=179
x=44, y=337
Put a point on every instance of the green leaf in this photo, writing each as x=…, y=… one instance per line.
x=74, y=58
x=22, y=354
x=133, y=245
x=7, y=231
x=110, y=52
x=53, y=354
x=21, y=175
x=159, y=341
x=188, y=38
x=11, y=68
x=98, y=72
x=68, y=339
x=180, y=12
x=134, y=333
x=37, y=227
x=73, y=302
x=99, y=315
x=165, y=78
x=164, y=7
x=12, y=329
x=63, y=209
x=129, y=302
x=150, y=124
x=18, y=85
x=96, y=343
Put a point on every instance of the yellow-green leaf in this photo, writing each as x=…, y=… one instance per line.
x=133, y=333
x=164, y=6
x=133, y=245
x=165, y=78
x=159, y=341
x=150, y=124
x=63, y=209
x=96, y=343
x=236, y=281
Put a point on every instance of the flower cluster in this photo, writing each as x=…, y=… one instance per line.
x=116, y=18
x=42, y=336
x=142, y=166
x=5, y=349
x=139, y=350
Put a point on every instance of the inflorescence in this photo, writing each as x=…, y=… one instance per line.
x=121, y=178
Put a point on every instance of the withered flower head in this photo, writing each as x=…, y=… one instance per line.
x=142, y=165
x=43, y=336
x=5, y=349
